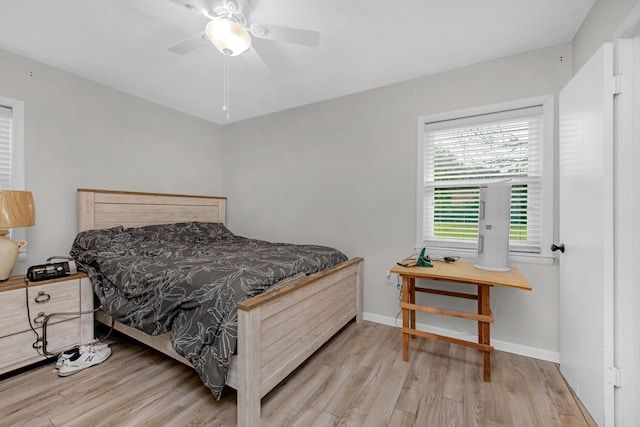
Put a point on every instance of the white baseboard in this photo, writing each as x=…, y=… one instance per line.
x=509, y=347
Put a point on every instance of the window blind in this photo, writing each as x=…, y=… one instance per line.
x=5, y=147
x=462, y=154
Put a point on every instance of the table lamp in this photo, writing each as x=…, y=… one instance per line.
x=17, y=209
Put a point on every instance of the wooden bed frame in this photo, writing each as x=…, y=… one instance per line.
x=277, y=331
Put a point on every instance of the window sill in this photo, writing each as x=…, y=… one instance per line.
x=470, y=255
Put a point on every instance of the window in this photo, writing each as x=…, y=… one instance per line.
x=460, y=151
x=12, y=165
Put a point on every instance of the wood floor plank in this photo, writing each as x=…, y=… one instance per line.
x=355, y=402
x=536, y=393
x=373, y=359
x=432, y=397
x=411, y=393
x=325, y=419
x=157, y=380
x=454, y=382
x=400, y=418
x=452, y=412
x=34, y=408
x=321, y=398
x=183, y=394
x=358, y=378
x=475, y=393
x=287, y=411
x=507, y=383
x=384, y=404
x=350, y=342
x=561, y=397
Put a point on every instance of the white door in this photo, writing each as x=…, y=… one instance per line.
x=627, y=210
x=586, y=230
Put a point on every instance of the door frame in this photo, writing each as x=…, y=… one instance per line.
x=627, y=225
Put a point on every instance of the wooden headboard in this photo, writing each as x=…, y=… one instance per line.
x=105, y=209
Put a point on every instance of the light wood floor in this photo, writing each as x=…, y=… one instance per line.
x=357, y=379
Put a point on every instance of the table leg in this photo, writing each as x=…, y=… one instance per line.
x=484, y=331
x=412, y=299
x=405, y=319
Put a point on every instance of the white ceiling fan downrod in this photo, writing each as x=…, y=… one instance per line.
x=225, y=90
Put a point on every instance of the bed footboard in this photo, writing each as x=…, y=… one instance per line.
x=279, y=330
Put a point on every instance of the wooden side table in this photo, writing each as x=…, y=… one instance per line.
x=454, y=272
x=19, y=345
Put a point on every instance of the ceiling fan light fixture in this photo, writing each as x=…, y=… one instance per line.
x=229, y=37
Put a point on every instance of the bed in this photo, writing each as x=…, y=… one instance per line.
x=276, y=330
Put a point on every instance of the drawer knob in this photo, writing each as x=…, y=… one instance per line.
x=42, y=297
x=39, y=319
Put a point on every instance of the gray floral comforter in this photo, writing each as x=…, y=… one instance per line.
x=187, y=278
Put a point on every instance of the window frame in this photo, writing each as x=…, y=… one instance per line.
x=545, y=256
x=18, y=163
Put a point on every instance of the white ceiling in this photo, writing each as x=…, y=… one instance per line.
x=364, y=44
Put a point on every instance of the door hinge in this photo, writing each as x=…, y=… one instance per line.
x=613, y=376
x=615, y=85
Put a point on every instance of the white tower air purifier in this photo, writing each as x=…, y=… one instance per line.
x=493, y=227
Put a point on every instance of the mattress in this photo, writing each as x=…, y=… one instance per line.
x=187, y=279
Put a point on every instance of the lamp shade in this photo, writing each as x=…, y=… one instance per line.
x=17, y=209
x=228, y=36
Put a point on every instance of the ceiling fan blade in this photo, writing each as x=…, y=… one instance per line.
x=255, y=61
x=286, y=34
x=189, y=44
x=201, y=7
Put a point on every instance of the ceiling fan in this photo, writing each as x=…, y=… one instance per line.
x=230, y=28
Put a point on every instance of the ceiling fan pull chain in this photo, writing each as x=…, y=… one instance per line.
x=225, y=106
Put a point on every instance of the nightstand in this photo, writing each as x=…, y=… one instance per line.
x=19, y=345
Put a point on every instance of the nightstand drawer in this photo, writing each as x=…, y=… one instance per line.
x=43, y=300
x=17, y=350
x=70, y=294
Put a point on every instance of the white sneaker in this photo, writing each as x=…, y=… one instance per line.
x=82, y=357
x=75, y=351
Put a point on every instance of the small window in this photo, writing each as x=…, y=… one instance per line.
x=12, y=164
x=460, y=151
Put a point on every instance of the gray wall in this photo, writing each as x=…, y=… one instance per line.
x=343, y=173
x=80, y=134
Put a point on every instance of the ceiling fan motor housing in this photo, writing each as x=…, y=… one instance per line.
x=232, y=10
x=233, y=28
